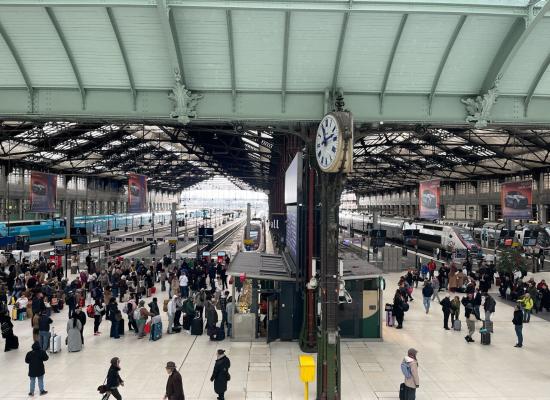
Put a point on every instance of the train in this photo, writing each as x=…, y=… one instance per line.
x=39, y=231
x=255, y=237
x=426, y=235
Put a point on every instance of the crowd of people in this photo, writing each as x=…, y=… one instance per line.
x=467, y=289
x=123, y=293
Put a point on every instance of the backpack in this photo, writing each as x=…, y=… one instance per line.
x=90, y=311
x=406, y=369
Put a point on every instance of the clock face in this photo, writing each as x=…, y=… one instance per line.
x=327, y=143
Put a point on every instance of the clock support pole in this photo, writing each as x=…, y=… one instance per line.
x=328, y=358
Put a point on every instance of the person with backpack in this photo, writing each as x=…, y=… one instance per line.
x=98, y=312
x=470, y=320
x=141, y=315
x=518, y=325
x=44, y=323
x=427, y=293
x=489, y=306
x=409, y=368
x=455, y=309
x=527, y=303
x=446, y=308
x=35, y=358
x=171, y=311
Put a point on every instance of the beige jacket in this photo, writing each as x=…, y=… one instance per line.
x=413, y=381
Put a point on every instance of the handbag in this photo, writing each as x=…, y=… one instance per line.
x=102, y=389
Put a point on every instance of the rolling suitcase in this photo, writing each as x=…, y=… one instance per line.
x=197, y=326
x=485, y=337
x=389, y=318
x=55, y=343
x=457, y=325
x=156, y=331
x=488, y=325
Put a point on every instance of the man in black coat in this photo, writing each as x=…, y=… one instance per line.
x=174, y=385
x=220, y=375
x=446, y=307
x=35, y=358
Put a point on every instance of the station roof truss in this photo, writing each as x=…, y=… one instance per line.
x=393, y=158
x=271, y=60
x=173, y=158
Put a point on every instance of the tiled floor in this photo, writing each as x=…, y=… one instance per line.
x=449, y=367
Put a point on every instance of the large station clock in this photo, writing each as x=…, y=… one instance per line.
x=334, y=142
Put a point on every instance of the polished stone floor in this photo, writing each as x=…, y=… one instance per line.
x=449, y=367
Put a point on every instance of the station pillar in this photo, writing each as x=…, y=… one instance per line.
x=174, y=223
x=492, y=214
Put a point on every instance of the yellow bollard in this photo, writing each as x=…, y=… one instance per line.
x=307, y=373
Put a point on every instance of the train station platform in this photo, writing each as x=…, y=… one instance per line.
x=450, y=368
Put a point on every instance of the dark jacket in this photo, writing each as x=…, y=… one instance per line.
x=174, y=387
x=445, y=304
x=220, y=375
x=113, y=378
x=44, y=323
x=81, y=316
x=35, y=358
x=518, y=317
x=427, y=291
x=490, y=304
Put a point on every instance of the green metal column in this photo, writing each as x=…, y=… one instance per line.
x=328, y=359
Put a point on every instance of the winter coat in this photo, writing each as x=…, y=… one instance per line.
x=220, y=375
x=113, y=378
x=490, y=304
x=74, y=340
x=427, y=291
x=445, y=304
x=35, y=358
x=518, y=317
x=174, y=387
x=414, y=380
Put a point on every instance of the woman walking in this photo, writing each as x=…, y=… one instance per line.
x=99, y=310
x=113, y=378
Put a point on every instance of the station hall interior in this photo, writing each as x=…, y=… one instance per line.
x=267, y=199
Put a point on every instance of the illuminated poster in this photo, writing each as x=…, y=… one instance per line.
x=428, y=199
x=137, y=193
x=43, y=192
x=292, y=232
x=516, y=199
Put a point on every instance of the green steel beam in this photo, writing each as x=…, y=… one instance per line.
x=169, y=29
x=285, y=60
x=480, y=7
x=338, y=58
x=535, y=83
x=231, y=58
x=265, y=107
x=396, y=41
x=518, y=34
x=443, y=61
x=20, y=65
x=69, y=53
x=123, y=53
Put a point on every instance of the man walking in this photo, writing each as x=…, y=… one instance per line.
x=518, y=325
x=220, y=375
x=427, y=292
x=174, y=385
x=409, y=368
x=35, y=358
x=184, y=282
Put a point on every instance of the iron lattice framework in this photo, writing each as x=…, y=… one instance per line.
x=172, y=157
x=393, y=157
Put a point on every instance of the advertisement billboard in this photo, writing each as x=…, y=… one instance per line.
x=137, y=193
x=293, y=180
x=516, y=199
x=428, y=199
x=292, y=229
x=43, y=192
